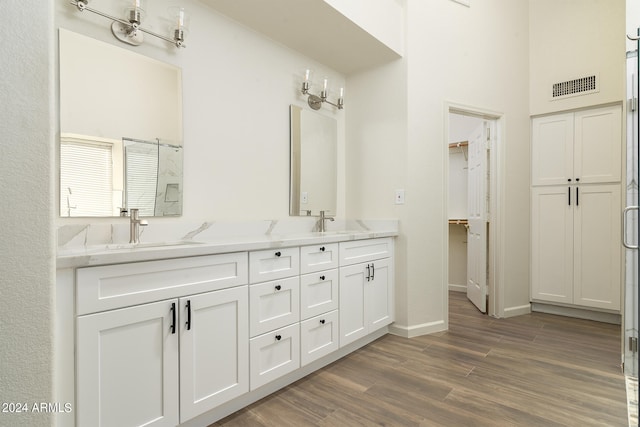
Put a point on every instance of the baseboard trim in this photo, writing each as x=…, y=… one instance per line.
x=579, y=313
x=417, y=330
x=457, y=288
x=517, y=311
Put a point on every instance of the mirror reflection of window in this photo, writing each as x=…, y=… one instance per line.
x=140, y=175
x=86, y=176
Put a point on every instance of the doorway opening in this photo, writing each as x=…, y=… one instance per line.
x=473, y=148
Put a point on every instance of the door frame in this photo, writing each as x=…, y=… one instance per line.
x=497, y=183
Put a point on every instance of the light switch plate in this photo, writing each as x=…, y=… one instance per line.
x=399, y=197
x=304, y=198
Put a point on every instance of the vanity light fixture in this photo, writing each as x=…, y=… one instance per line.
x=315, y=101
x=128, y=30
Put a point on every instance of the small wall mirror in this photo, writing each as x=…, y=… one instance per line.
x=120, y=131
x=314, y=140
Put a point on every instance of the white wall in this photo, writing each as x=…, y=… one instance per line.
x=474, y=56
x=237, y=88
x=383, y=19
x=579, y=38
x=27, y=251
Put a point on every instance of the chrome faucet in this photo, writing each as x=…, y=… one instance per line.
x=321, y=222
x=134, y=226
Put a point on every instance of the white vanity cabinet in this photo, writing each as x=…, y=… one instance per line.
x=163, y=362
x=366, y=287
x=183, y=341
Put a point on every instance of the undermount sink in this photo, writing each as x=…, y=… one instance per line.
x=116, y=246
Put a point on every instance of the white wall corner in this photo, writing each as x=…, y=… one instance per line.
x=517, y=310
x=418, y=330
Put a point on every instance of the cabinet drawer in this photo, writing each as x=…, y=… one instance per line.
x=318, y=258
x=273, y=305
x=273, y=264
x=318, y=293
x=318, y=337
x=115, y=286
x=274, y=354
x=356, y=251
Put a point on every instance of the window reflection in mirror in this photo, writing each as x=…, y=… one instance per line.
x=109, y=94
x=314, y=140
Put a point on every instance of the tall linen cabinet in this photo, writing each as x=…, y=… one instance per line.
x=576, y=204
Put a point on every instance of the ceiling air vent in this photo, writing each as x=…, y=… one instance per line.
x=575, y=87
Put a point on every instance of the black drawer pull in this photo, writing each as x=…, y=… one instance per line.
x=322, y=249
x=278, y=337
x=188, y=315
x=322, y=321
x=321, y=277
x=278, y=287
x=278, y=253
x=373, y=271
x=173, y=317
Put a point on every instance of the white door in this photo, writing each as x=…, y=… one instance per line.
x=597, y=252
x=127, y=367
x=214, y=349
x=477, y=216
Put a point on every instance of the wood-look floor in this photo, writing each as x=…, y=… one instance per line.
x=532, y=370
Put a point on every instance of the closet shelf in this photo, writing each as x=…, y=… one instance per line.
x=458, y=221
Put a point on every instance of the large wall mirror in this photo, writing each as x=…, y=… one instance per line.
x=314, y=141
x=120, y=131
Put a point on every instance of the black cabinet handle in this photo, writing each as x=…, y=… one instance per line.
x=373, y=271
x=188, y=315
x=569, y=196
x=321, y=248
x=278, y=287
x=368, y=273
x=322, y=321
x=173, y=317
x=278, y=253
x=577, y=196
x=321, y=277
x=278, y=337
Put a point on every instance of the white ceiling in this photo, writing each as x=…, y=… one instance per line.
x=311, y=27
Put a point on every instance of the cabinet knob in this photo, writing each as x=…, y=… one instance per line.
x=278, y=287
x=278, y=337
x=321, y=277
x=321, y=248
x=322, y=321
x=278, y=253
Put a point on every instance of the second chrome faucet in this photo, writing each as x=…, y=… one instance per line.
x=322, y=225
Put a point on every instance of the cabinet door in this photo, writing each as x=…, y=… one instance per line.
x=552, y=244
x=379, y=307
x=319, y=336
x=274, y=354
x=597, y=234
x=127, y=367
x=318, y=293
x=598, y=145
x=214, y=350
x=552, y=149
x=353, y=323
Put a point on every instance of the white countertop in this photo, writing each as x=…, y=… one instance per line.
x=122, y=253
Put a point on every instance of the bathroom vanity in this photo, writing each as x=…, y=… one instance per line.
x=187, y=333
